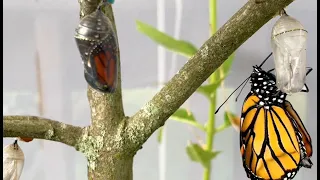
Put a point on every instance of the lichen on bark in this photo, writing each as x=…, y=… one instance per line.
x=91, y=146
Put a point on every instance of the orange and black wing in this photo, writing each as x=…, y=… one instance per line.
x=302, y=131
x=269, y=145
x=101, y=69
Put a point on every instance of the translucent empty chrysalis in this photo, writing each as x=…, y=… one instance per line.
x=13, y=161
x=288, y=41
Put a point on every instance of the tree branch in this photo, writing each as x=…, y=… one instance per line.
x=41, y=128
x=249, y=19
x=103, y=143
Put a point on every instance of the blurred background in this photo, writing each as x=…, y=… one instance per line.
x=40, y=56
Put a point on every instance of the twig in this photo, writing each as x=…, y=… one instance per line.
x=41, y=128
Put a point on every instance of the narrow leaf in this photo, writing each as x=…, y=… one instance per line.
x=185, y=116
x=179, y=46
x=233, y=119
x=226, y=66
x=229, y=119
x=208, y=89
x=197, y=154
x=228, y=116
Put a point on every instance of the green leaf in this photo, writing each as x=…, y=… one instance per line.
x=229, y=118
x=179, y=46
x=208, y=89
x=226, y=66
x=197, y=154
x=184, y=116
x=160, y=134
x=233, y=119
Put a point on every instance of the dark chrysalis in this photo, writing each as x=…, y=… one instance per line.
x=98, y=46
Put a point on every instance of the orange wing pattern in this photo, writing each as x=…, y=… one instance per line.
x=306, y=139
x=269, y=144
x=101, y=70
x=105, y=68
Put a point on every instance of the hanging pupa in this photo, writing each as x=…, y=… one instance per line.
x=13, y=161
x=97, y=42
x=288, y=41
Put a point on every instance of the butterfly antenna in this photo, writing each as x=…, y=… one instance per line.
x=231, y=94
x=242, y=89
x=271, y=70
x=265, y=60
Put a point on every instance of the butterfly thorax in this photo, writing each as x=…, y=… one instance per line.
x=263, y=85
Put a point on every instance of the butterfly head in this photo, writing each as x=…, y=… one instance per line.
x=263, y=84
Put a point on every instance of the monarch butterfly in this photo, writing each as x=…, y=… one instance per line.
x=274, y=143
x=97, y=43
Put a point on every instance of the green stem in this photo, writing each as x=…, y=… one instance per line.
x=211, y=120
x=213, y=16
x=210, y=133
